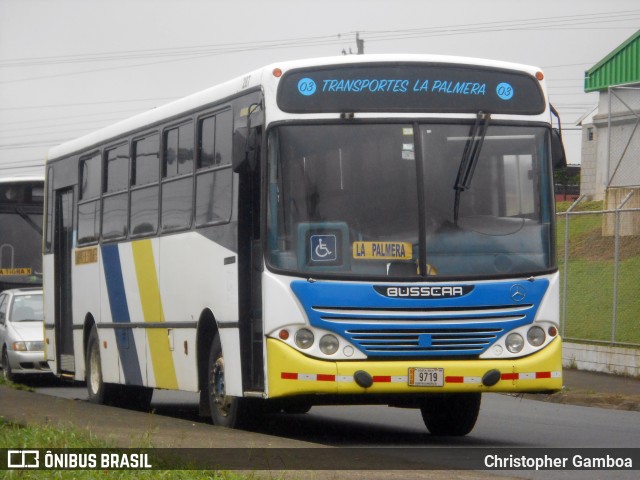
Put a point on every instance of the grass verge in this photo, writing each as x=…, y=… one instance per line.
x=44, y=436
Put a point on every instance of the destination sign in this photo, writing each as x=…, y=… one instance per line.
x=15, y=271
x=393, y=87
x=86, y=256
x=382, y=250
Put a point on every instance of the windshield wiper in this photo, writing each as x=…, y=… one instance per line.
x=469, y=159
x=28, y=219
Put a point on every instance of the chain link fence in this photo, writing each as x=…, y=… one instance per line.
x=623, y=136
x=599, y=257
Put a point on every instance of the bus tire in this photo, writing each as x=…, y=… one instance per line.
x=99, y=392
x=453, y=414
x=226, y=411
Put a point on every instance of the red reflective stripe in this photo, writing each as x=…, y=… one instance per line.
x=509, y=376
x=543, y=374
x=289, y=376
x=382, y=379
x=326, y=378
x=454, y=379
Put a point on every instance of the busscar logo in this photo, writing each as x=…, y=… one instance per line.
x=424, y=292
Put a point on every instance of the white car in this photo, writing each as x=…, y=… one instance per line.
x=22, y=333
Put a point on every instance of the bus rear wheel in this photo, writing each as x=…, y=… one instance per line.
x=452, y=414
x=126, y=396
x=226, y=410
x=99, y=392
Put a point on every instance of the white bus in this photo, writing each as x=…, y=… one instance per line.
x=352, y=230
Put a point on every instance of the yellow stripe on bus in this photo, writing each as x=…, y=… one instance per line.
x=163, y=368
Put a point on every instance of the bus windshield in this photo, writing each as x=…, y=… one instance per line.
x=21, y=233
x=365, y=200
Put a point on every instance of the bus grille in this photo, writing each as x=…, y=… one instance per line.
x=423, y=331
x=470, y=340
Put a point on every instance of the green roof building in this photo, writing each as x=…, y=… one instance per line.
x=620, y=67
x=611, y=132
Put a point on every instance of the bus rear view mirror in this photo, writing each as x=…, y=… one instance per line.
x=558, y=155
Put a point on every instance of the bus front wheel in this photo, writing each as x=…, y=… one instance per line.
x=226, y=410
x=453, y=414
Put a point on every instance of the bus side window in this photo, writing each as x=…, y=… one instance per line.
x=177, y=177
x=89, y=203
x=115, y=202
x=145, y=173
x=214, y=177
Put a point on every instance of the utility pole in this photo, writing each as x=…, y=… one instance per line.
x=359, y=44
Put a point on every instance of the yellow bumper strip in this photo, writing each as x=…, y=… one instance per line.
x=292, y=373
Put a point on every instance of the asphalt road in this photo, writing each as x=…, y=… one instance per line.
x=504, y=421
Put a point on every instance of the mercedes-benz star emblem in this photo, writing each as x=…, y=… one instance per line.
x=518, y=293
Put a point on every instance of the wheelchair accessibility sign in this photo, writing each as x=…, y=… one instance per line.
x=324, y=248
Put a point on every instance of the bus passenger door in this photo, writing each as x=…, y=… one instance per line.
x=250, y=269
x=63, y=244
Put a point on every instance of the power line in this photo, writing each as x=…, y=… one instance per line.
x=27, y=163
x=32, y=121
x=599, y=18
x=49, y=143
x=2, y=167
x=542, y=22
x=27, y=129
x=171, y=51
x=87, y=103
x=192, y=56
x=192, y=53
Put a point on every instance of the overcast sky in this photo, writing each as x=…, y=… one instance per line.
x=68, y=67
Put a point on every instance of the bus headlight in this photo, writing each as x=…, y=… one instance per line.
x=317, y=343
x=514, y=342
x=523, y=340
x=536, y=336
x=304, y=338
x=329, y=344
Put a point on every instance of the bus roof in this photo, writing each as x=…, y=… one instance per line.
x=261, y=77
x=22, y=179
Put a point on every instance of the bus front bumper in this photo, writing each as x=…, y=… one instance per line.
x=292, y=373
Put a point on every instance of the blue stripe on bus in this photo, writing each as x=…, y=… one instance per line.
x=120, y=314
